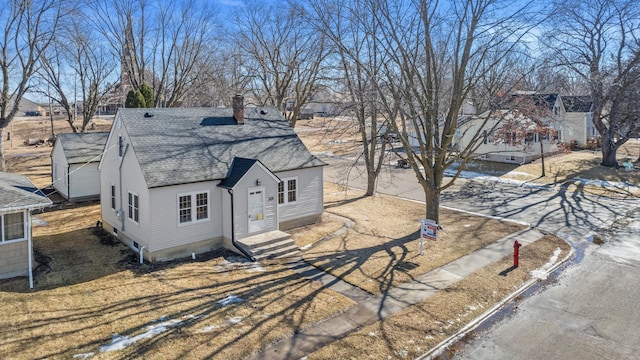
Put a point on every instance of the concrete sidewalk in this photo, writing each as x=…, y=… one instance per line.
x=372, y=308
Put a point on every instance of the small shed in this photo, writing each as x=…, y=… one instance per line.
x=74, y=165
x=18, y=197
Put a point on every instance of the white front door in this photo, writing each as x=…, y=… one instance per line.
x=256, y=210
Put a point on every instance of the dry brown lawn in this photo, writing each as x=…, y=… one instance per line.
x=95, y=291
x=585, y=164
x=382, y=250
x=308, y=235
x=329, y=135
x=418, y=328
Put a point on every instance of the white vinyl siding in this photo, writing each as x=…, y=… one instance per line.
x=166, y=229
x=131, y=180
x=12, y=227
x=309, y=198
x=59, y=166
x=84, y=180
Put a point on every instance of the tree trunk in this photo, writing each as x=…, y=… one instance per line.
x=608, y=153
x=432, y=200
x=542, y=158
x=3, y=163
x=371, y=183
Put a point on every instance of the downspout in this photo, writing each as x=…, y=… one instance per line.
x=68, y=180
x=120, y=180
x=30, y=248
x=233, y=231
x=141, y=254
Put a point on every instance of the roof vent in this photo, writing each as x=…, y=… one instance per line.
x=147, y=115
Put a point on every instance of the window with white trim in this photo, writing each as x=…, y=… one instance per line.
x=113, y=197
x=134, y=207
x=288, y=191
x=12, y=227
x=193, y=207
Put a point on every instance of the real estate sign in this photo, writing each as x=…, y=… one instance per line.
x=428, y=230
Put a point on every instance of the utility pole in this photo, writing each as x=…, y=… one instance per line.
x=50, y=112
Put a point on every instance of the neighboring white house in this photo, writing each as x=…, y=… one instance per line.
x=74, y=165
x=569, y=120
x=188, y=180
x=18, y=197
x=577, y=120
x=506, y=147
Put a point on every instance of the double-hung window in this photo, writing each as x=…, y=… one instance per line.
x=113, y=197
x=193, y=207
x=134, y=207
x=288, y=191
x=12, y=226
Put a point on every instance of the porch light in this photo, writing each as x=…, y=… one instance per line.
x=258, y=182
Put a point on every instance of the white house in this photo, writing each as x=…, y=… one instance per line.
x=577, y=120
x=18, y=197
x=569, y=119
x=180, y=181
x=74, y=165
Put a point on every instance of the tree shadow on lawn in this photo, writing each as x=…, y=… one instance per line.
x=67, y=259
x=260, y=293
x=347, y=261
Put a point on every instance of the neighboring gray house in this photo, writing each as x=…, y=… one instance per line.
x=74, y=165
x=180, y=181
x=18, y=197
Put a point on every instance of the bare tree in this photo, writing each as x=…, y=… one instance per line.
x=28, y=28
x=437, y=54
x=54, y=66
x=599, y=40
x=284, y=54
x=353, y=37
x=122, y=24
x=183, y=39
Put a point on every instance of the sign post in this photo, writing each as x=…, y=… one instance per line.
x=428, y=230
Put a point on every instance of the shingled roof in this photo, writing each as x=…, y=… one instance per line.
x=576, y=103
x=83, y=147
x=17, y=193
x=186, y=145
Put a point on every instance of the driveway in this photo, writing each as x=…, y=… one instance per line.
x=589, y=313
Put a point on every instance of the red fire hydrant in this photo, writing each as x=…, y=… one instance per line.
x=516, y=252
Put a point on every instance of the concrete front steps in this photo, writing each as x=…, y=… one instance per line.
x=272, y=247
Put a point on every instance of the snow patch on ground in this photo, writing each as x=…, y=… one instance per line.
x=36, y=221
x=230, y=299
x=542, y=273
x=235, y=320
x=625, y=251
x=84, y=356
x=238, y=262
x=207, y=329
x=119, y=342
x=608, y=184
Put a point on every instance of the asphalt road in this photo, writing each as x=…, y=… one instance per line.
x=590, y=312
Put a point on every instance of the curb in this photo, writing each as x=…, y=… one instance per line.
x=443, y=345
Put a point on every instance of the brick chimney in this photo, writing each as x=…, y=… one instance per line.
x=238, y=109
